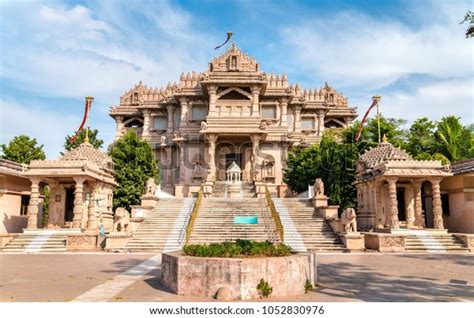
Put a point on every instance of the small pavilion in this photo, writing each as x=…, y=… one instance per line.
x=389, y=189
x=81, y=186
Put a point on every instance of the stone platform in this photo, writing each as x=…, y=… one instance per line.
x=203, y=276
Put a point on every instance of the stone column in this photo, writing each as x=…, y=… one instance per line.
x=393, y=203
x=182, y=167
x=419, y=221
x=255, y=149
x=212, y=90
x=212, y=138
x=184, y=113
x=437, y=207
x=378, y=211
x=34, y=202
x=78, y=202
x=255, y=105
x=297, y=118
x=320, y=123
x=91, y=221
x=169, y=167
x=119, y=127
x=170, y=127
x=146, y=124
x=284, y=113
x=410, y=207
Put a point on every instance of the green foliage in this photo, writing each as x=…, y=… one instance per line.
x=334, y=162
x=308, y=286
x=469, y=17
x=239, y=248
x=93, y=140
x=453, y=140
x=264, y=288
x=23, y=149
x=134, y=162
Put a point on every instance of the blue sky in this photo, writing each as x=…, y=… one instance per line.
x=54, y=53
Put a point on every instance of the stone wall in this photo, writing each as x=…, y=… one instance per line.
x=384, y=242
x=201, y=276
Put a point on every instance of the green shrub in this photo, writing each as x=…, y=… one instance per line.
x=264, y=288
x=239, y=248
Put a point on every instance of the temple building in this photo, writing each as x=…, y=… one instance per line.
x=396, y=191
x=233, y=112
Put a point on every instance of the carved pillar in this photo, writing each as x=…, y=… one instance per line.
x=410, y=207
x=182, y=167
x=393, y=203
x=170, y=127
x=91, y=221
x=284, y=113
x=212, y=138
x=119, y=127
x=146, y=124
x=255, y=149
x=419, y=221
x=320, y=123
x=297, y=118
x=437, y=207
x=34, y=202
x=169, y=167
x=78, y=202
x=184, y=113
x=370, y=204
x=212, y=90
x=379, y=215
x=255, y=106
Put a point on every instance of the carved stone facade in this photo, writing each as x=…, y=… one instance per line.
x=389, y=186
x=231, y=112
x=81, y=186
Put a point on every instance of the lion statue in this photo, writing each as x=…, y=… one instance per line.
x=150, y=187
x=318, y=187
x=121, y=220
x=348, y=220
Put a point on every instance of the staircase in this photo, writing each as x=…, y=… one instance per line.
x=215, y=221
x=432, y=243
x=304, y=228
x=164, y=228
x=221, y=189
x=39, y=241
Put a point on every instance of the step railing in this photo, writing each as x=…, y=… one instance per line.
x=275, y=215
x=193, y=216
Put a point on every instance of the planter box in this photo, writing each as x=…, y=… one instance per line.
x=203, y=276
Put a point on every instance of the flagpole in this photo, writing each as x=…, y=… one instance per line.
x=377, y=99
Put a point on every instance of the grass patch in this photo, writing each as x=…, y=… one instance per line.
x=239, y=248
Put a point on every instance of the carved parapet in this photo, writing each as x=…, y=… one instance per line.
x=328, y=212
x=7, y=238
x=207, y=188
x=466, y=239
x=384, y=242
x=81, y=241
x=260, y=189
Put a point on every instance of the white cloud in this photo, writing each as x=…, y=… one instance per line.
x=49, y=128
x=354, y=50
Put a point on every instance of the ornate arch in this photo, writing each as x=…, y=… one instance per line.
x=236, y=89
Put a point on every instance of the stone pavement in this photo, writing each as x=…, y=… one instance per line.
x=342, y=277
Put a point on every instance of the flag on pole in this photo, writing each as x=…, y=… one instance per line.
x=229, y=35
x=375, y=101
x=84, y=119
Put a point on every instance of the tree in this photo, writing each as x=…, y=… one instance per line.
x=469, y=17
x=421, y=137
x=334, y=162
x=454, y=141
x=134, y=162
x=23, y=149
x=93, y=140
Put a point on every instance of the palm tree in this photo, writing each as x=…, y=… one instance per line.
x=454, y=140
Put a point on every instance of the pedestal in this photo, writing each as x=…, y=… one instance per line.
x=353, y=241
x=320, y=201
x=149, y=201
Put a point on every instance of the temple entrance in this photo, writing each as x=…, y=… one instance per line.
x=231, y=157
x=402, y=216
x=69, y=205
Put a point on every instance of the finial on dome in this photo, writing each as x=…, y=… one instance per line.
x=384, y=139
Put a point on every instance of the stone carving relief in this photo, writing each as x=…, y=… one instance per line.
x=319, y=187
x=203, y=125
x=163, y=141
x=150, y=187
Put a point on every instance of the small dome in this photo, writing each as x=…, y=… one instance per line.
x=86, y=151
x=383, y=152
x=233, y=167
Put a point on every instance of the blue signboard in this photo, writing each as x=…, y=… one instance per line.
x=240, y=219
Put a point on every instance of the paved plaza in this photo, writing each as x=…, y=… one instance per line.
x=341, y=277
